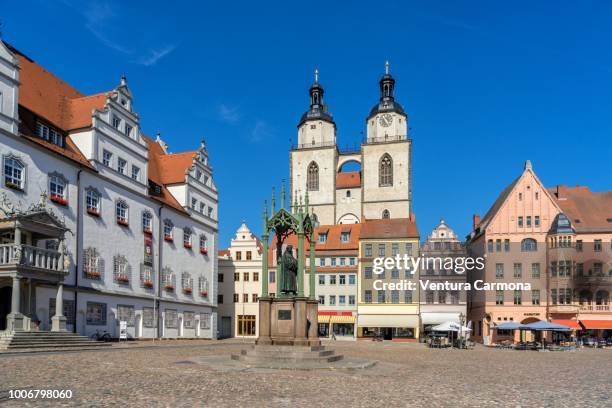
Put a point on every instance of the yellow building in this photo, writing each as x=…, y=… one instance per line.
x=388, y=303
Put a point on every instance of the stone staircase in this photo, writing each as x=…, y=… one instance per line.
x=275, y=356
x=26, y=341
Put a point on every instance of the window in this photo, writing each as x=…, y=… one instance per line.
x=49, y=134
x=246, y=325
x=367, y=272
x=395, y=296
x=517, y=297
x=202, y=207
x=529, y=245
x=342, y=300
x=536, y=220
x=93, y=265
x=348, y=193
x=352, y=261
x=92, y=198
x=395, y=273
x=116, y=121
x=322, y=238
x=96, y=314
x=381, y=249
x=454, y=297
x=352, y=300
x=312, y=178
x=249, y=255
x=381, y=296
x=332, y=300
x=368, y=250
x=171, y=319
x=135, y=173
x=535, y=270
x=255, y=276
x=580, y=269
x=146, y=276
x=394, y=249
x=499, y=271
x=342, y=261
x=168, y=279
x=147, y=222
x=220, y=299
x=245, y=298
x=57, y=188
x=352, y=279
x=245, y=276
x=518, y=270
x=332, y=279
x=209, y=213
x=203, y=244
x=441, y=297
x=529, y=220
x=408, y=248
x=490, y=245
x=520, y=222
x=186, y=283
x=107, y=158
x=121, y=212
x=429, y=297
x=498, y=246
x=121, y=270
x=553, y=268
x=407, y=296
x=321, y=300
x=385, y=171
x=187, y=238
x=68, y=310
x=168, y=230
x=535, y=297
x=321, y=279
x=597, y=245
x=345, y=237
x=367, y=297
x=507, y=245
x=272, y=276
x=14, y=173
x=205, y=321
x=386, y=215
x=254, y=297
x=194, y=203
x=499, y=297
x=128, y=130
x=333, y=261
x=342, y=280
x=121, y=165
x=579, y=245
x=235, y=298
x=520, y=196
x=188, y=319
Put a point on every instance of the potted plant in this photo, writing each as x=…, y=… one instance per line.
x=204, y=293
x=187, y=291
x=148, y=284
x=93, y=211
x=169, y=288
x=122, y=222
x=168, y=237
x=123, y=279
x=58, y=199
x=147, y=231
x=93, y=274
x=12, y=185
x=187, y=245
x=204, y=250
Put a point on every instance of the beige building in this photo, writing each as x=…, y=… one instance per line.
x=382, y=187
x=239, y=285
x=386, y=311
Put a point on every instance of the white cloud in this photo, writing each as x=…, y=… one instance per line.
x=156, y=55
x=229, y=114
x=261, y=131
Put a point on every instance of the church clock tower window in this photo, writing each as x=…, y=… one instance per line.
x=385, y=171
x=312, y=180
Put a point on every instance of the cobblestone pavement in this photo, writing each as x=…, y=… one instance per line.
x=405, y=375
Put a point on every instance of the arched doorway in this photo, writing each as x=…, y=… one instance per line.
x=6, y=294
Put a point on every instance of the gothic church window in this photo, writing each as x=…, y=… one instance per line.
x=312, y=179
x=385, y=215
x=385, y=171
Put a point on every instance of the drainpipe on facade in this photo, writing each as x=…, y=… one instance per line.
x=159, y=270
x=78, y=250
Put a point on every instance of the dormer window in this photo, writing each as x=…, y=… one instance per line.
x=322, y=238
x=345, y=236
x=49, y=134
x=116, y=121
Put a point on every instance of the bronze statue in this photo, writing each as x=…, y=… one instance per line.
x=288, y=272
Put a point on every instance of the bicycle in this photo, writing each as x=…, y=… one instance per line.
x=104, y=336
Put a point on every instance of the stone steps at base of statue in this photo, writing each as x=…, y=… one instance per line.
x=247, y=358
x=291, y=354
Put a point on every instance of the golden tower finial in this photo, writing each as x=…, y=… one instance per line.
x=387, y=67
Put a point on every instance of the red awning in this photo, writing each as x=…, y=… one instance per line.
x=573, y=324
x=596, y=324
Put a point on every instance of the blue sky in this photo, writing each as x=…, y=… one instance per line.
x=486, y=85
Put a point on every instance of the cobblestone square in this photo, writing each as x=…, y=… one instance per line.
x=193, y=373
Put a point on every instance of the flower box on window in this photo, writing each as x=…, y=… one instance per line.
x=147, y=231
x=122, y=222
x=93, y=211
x=168, y=238
x=13, y=186
x=58, y=199
x=204, y=251
x=93, y=275
x=204, y=293
x=187, y=245
x=187, y=291
x=169, y=288
x=123, y=279
x=147, y=284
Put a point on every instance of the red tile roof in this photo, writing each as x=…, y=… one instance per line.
x=588, y=211
x=389, y=228
x=173, y=167
x=348, y=179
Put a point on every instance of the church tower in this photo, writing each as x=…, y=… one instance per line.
x=386, y=157
x=313, y=160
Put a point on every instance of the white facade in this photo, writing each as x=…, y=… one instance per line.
x=116, y=263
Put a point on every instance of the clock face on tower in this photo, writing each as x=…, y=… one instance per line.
x=385, y=119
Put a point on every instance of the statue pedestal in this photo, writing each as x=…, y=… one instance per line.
x=288, y=321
